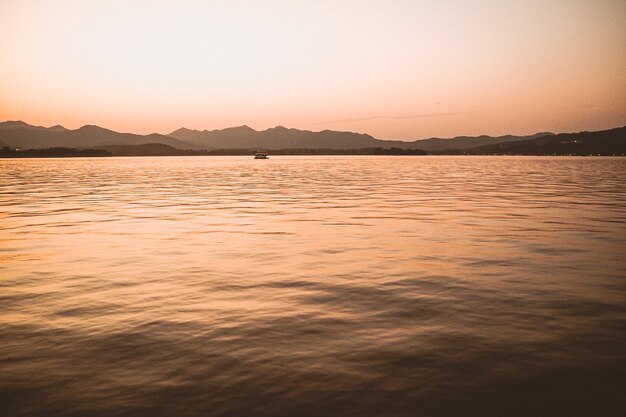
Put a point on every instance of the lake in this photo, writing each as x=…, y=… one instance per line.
x=313, y=286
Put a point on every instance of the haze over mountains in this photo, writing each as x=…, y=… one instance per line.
x=19, y=134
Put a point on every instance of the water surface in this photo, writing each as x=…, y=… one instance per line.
x=313, y=286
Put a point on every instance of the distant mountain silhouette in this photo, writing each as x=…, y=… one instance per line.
x=283, y=138
x=18, y=134
x=605, y=142
x=276, y=138
x=466, y=142
x=18, y=124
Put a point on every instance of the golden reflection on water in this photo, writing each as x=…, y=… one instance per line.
x=338, y=284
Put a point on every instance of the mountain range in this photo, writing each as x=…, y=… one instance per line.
x=22, y=135
x=283, y=138
x=605, y=142
x=18, y=134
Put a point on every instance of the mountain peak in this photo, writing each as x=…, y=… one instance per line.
x=92, y=128
x=242, y=128
x=18, y=124
x=14, y=124
x=182, y=130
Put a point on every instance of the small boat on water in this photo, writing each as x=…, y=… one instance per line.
x=260, y=155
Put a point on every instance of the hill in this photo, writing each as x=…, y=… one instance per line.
x=466, y=142
x=18, y=134
x=276, y=138
x=18, y=124
x=605, y=142
x=283, y=138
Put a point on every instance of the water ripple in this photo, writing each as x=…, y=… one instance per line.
x=313, y=286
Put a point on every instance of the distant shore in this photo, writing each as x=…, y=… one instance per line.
x=156, y=149
x=164, y=150
x=53, y=153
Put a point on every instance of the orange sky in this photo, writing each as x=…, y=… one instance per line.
x=397, y=70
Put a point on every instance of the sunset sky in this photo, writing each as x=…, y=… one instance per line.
x=404, y=69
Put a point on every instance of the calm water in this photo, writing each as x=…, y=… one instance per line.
x=313, y=286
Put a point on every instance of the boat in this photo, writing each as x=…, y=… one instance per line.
x=260, y=155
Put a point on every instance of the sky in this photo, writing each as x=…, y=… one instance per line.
x=403, y=69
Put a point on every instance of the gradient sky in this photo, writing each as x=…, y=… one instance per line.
x=395, y=69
